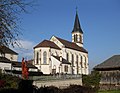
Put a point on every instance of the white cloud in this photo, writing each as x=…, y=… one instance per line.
x=25, y=50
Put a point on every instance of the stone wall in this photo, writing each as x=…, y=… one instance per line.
x=58, y=83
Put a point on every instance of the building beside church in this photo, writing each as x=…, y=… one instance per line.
x=59, y=56
x=9, y=63
x=110, y=73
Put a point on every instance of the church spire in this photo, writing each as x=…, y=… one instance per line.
x=77, y=27
x=77, y=33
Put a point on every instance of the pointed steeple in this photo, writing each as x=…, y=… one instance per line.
x=77, y=27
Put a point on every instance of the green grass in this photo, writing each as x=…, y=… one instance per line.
x=110, y=91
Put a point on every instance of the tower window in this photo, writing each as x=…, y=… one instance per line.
x=80, y=39
x=74, y=38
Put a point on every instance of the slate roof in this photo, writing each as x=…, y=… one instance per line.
x=77, y=27
x=64, y=61
x=47, y=43
x=72, y=45
x=5, y=49
x=111, y=63
x=4, y=60
x=19, y=64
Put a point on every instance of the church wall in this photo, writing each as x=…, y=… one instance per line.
x=82, y=65
x=46, y=68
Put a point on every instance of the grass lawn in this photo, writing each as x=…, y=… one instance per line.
x=110, y=91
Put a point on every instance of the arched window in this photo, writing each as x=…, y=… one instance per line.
x=77, y=58
x=81, y=61
x=45, y=57
x=37, y=59
x=80, y=39
x=76, y=37
x=77, y=64
x=67, y=57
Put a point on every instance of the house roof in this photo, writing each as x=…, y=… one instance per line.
x=19, y=64
x=5, y=49
x=4, y=60
x=111, y=63
x=64, y=61
x=47, y=43
x=77, y=27
x=72, y=45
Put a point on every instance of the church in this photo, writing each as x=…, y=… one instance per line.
x=59, y=56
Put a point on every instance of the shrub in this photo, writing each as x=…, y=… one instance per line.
x=92, y=80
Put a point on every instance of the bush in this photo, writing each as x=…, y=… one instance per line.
x=92, y=80
x=50, y=89
x=25, y=86
x=9, y=81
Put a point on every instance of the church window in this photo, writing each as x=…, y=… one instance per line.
x=76, y=37
x=67, y=57
x=80, y=39
x=77, y=63
x=45, y=57
x=37, y=59
x=72, y=60
x=76, y=58
x=81, y=61
x=66, y=68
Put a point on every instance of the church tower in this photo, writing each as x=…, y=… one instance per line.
x=77, y=33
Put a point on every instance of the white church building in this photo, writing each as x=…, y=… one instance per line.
x=59, y=56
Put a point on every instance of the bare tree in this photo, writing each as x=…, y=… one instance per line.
x=9, y=11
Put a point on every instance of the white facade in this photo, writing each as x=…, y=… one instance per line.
x=53, y=65
x=11, y=57
x=5, y=66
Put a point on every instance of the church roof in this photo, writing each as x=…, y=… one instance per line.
x=72, y=45
x=47, y=43
x=77, y=27
x=64, y=61
x=111, y=63
x=5, y=49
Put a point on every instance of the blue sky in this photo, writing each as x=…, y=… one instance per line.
x=99, y=19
